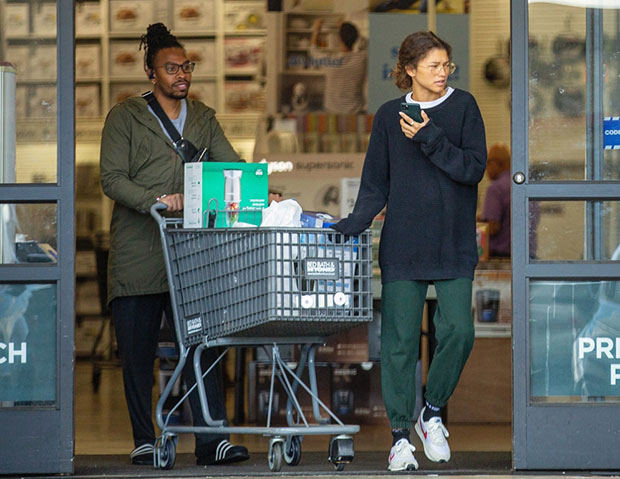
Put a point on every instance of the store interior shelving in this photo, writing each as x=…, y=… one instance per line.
x=228, y=48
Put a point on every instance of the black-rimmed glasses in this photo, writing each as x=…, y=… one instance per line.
x=172, y=68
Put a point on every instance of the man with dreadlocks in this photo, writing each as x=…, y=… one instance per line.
x=139, y=166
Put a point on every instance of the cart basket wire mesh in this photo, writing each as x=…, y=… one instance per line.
x=268, y=282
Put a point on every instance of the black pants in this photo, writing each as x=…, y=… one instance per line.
x=137, y=322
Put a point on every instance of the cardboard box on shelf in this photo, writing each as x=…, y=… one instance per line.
x=16, y=20
x=126, y=60
x=19, y=56
x=203, y=91
x=259, y=379
x=42, y=62
x=244, y=16
x=21, y=95
x=132, y=16
x=88, y=19
x=87, y=62
x=122, y=91
x=244, y=97
x=42, y=102
x=308, y=5
x=194, y=15
x=239, y=188
x=203, y=53
x=243, y=56
x=356, y=393
x=87, y=101
x=44, y=19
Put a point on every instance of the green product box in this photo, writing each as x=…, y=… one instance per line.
x=239, y=188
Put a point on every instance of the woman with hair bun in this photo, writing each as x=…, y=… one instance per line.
x=140, y=165
x=427, y=171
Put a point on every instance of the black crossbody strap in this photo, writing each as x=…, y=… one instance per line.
x=161, y=114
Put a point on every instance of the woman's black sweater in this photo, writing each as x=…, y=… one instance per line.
x=430, y=185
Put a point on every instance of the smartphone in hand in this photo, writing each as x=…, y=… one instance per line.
x=412, y=110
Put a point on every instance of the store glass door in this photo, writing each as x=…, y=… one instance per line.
x=566, y=233
x=37, y=236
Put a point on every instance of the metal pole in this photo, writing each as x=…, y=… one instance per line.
x=594, y=242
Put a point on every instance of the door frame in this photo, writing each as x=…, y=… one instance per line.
x=38, y=440
x=553, y=435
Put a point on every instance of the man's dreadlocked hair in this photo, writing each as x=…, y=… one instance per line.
x=156, y=38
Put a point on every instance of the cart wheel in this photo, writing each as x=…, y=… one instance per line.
x=341, y=451
x=274, y=459
x=292, y=454
x=167, y=454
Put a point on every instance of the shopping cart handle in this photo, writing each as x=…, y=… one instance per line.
x=154, y=212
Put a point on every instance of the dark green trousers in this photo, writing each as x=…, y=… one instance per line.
x=402, y=306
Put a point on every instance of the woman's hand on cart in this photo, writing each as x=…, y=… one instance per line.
x=174, y=202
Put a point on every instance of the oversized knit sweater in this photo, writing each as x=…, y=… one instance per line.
x=430, y=185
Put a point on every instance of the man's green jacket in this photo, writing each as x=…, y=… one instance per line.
x=139, y=164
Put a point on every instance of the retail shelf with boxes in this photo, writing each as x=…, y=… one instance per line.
x=227, y=46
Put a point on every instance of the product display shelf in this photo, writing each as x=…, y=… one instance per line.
x=291, y=70
x=297, y=39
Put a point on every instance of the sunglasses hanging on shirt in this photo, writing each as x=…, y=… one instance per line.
x=185, y=148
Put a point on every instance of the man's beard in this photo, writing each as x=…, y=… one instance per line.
x=178, y=95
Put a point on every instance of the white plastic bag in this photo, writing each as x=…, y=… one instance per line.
x=283, y=213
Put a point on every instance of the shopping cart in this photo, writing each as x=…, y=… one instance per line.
x=264, y=286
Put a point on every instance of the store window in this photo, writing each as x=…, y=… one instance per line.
x=559, y=229
x=574, y=354
x=27, y=356
x=28, y=233
x=28, y=43
x=559, y=65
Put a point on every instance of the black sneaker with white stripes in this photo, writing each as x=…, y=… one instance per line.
x=142, y=455
x=224, y=453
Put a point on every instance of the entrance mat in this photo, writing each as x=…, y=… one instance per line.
x=312, y=463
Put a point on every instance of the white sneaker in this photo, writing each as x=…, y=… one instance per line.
x=433, y=435
x=401, y=457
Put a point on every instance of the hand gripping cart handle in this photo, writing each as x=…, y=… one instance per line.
x=263, y=286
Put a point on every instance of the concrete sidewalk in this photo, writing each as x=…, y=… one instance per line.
x=366, y=464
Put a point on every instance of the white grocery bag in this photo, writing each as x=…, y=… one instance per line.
x=285, y=213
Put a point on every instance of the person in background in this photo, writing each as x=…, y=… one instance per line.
x=139, y=167
x=428, y=173
x=496, y=209
x=345, y=71
x=274, y=195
